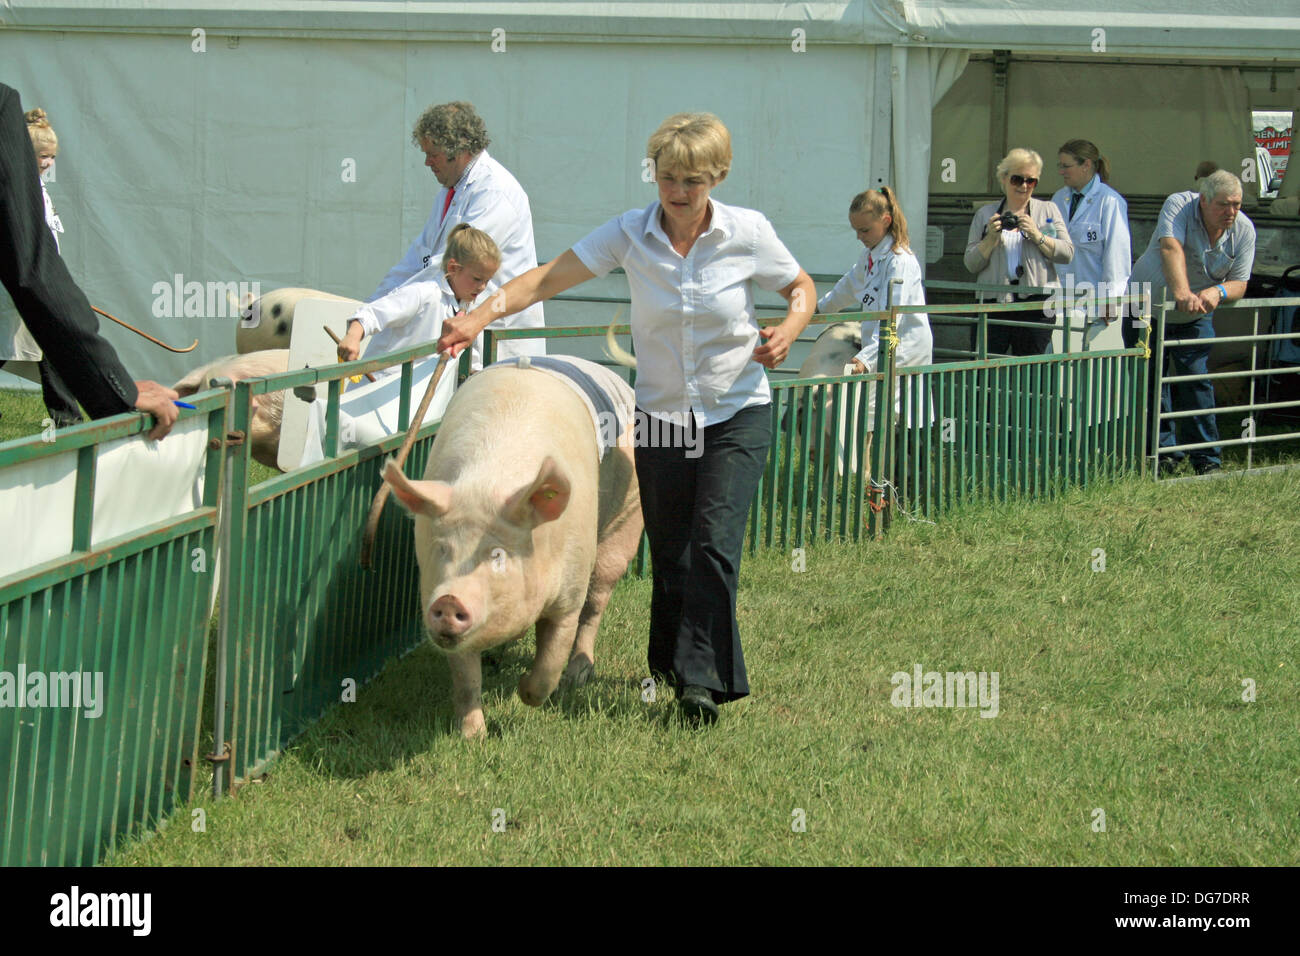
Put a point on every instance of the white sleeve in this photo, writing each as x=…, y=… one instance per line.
x=844, y=295
x=603, y=249
x=774, y=267
x=1172, y=224
x=396, y=308
x=411, y=263
x=1117, y=260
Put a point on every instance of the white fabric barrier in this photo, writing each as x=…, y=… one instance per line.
x=137, y=483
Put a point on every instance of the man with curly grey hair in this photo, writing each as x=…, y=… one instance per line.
x=480, y=191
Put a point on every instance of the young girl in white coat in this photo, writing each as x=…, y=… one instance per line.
x=413, y=312
x=879, y=223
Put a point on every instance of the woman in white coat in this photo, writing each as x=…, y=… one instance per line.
x=1097, y=219
x=881, y=226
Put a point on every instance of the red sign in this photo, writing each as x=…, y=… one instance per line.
x=1278, y=144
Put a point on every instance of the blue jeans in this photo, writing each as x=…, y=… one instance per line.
x=1180, y=396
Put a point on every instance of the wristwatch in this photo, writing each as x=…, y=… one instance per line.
x=1223, y=292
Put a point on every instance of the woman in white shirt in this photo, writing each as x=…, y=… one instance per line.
x=702, y=396
x=1097, y=218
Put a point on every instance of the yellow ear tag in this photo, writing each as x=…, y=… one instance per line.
x=549, y=494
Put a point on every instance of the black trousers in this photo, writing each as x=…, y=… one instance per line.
x=59, y=402
x=1009, y=340
x=695, y=510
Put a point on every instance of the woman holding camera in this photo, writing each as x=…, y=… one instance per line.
x=1018, y=242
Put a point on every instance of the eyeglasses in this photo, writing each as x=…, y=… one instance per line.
x=1018, y=180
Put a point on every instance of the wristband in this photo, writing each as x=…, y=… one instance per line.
x=1223, y=292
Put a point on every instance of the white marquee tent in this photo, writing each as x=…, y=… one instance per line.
x=235, y=142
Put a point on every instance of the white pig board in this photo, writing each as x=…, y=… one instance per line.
x=368, y=412
x=309, y=347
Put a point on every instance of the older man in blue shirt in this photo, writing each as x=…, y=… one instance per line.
x=1200, y=255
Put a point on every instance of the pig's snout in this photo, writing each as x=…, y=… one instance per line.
x=449, y=619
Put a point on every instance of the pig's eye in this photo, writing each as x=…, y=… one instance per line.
x=443, y=551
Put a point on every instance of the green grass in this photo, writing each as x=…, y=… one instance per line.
x=1120, y=690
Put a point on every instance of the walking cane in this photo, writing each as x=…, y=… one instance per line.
x=377, y=506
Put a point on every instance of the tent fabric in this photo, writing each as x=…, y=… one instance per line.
x=289, y=162
x=1249, y=29
x=269, y=142
x=1204, y=109
x=921, y=78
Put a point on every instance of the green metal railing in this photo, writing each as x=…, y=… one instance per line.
x=133, y=610
x=300, y=623
x=988, y=429
x=1251, y=436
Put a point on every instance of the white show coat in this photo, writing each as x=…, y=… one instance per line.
x=412, y=314
x=1102, y=246
x=867, y=290
x=489, y=198
x=864, y=291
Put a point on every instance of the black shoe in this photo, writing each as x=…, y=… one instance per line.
x=1168, y=466
x=1207, y=467
x=697, y=704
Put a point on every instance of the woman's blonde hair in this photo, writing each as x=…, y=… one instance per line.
x=40, y=130
x=881, y=202
x=470, y=246
x=1019, y=157
x=692, y=143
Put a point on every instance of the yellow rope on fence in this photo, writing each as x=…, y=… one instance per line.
x=892, y=339
x=1146, y=341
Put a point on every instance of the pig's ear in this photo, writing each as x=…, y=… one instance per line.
x=429, y=498
x=543, y=500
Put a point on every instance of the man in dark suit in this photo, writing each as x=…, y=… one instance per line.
x=55, y=310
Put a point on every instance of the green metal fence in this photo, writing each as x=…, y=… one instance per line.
x=301, y=624
x=986, y=429
x=1168, y=337
x=133, y=610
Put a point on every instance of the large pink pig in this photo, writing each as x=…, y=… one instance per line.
x=524, y=516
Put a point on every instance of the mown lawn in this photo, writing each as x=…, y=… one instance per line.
x=1122, y=622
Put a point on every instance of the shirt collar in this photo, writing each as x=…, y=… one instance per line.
x=722, y=221
x=883, y=246
x=1088, y=187
x=468, y=175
